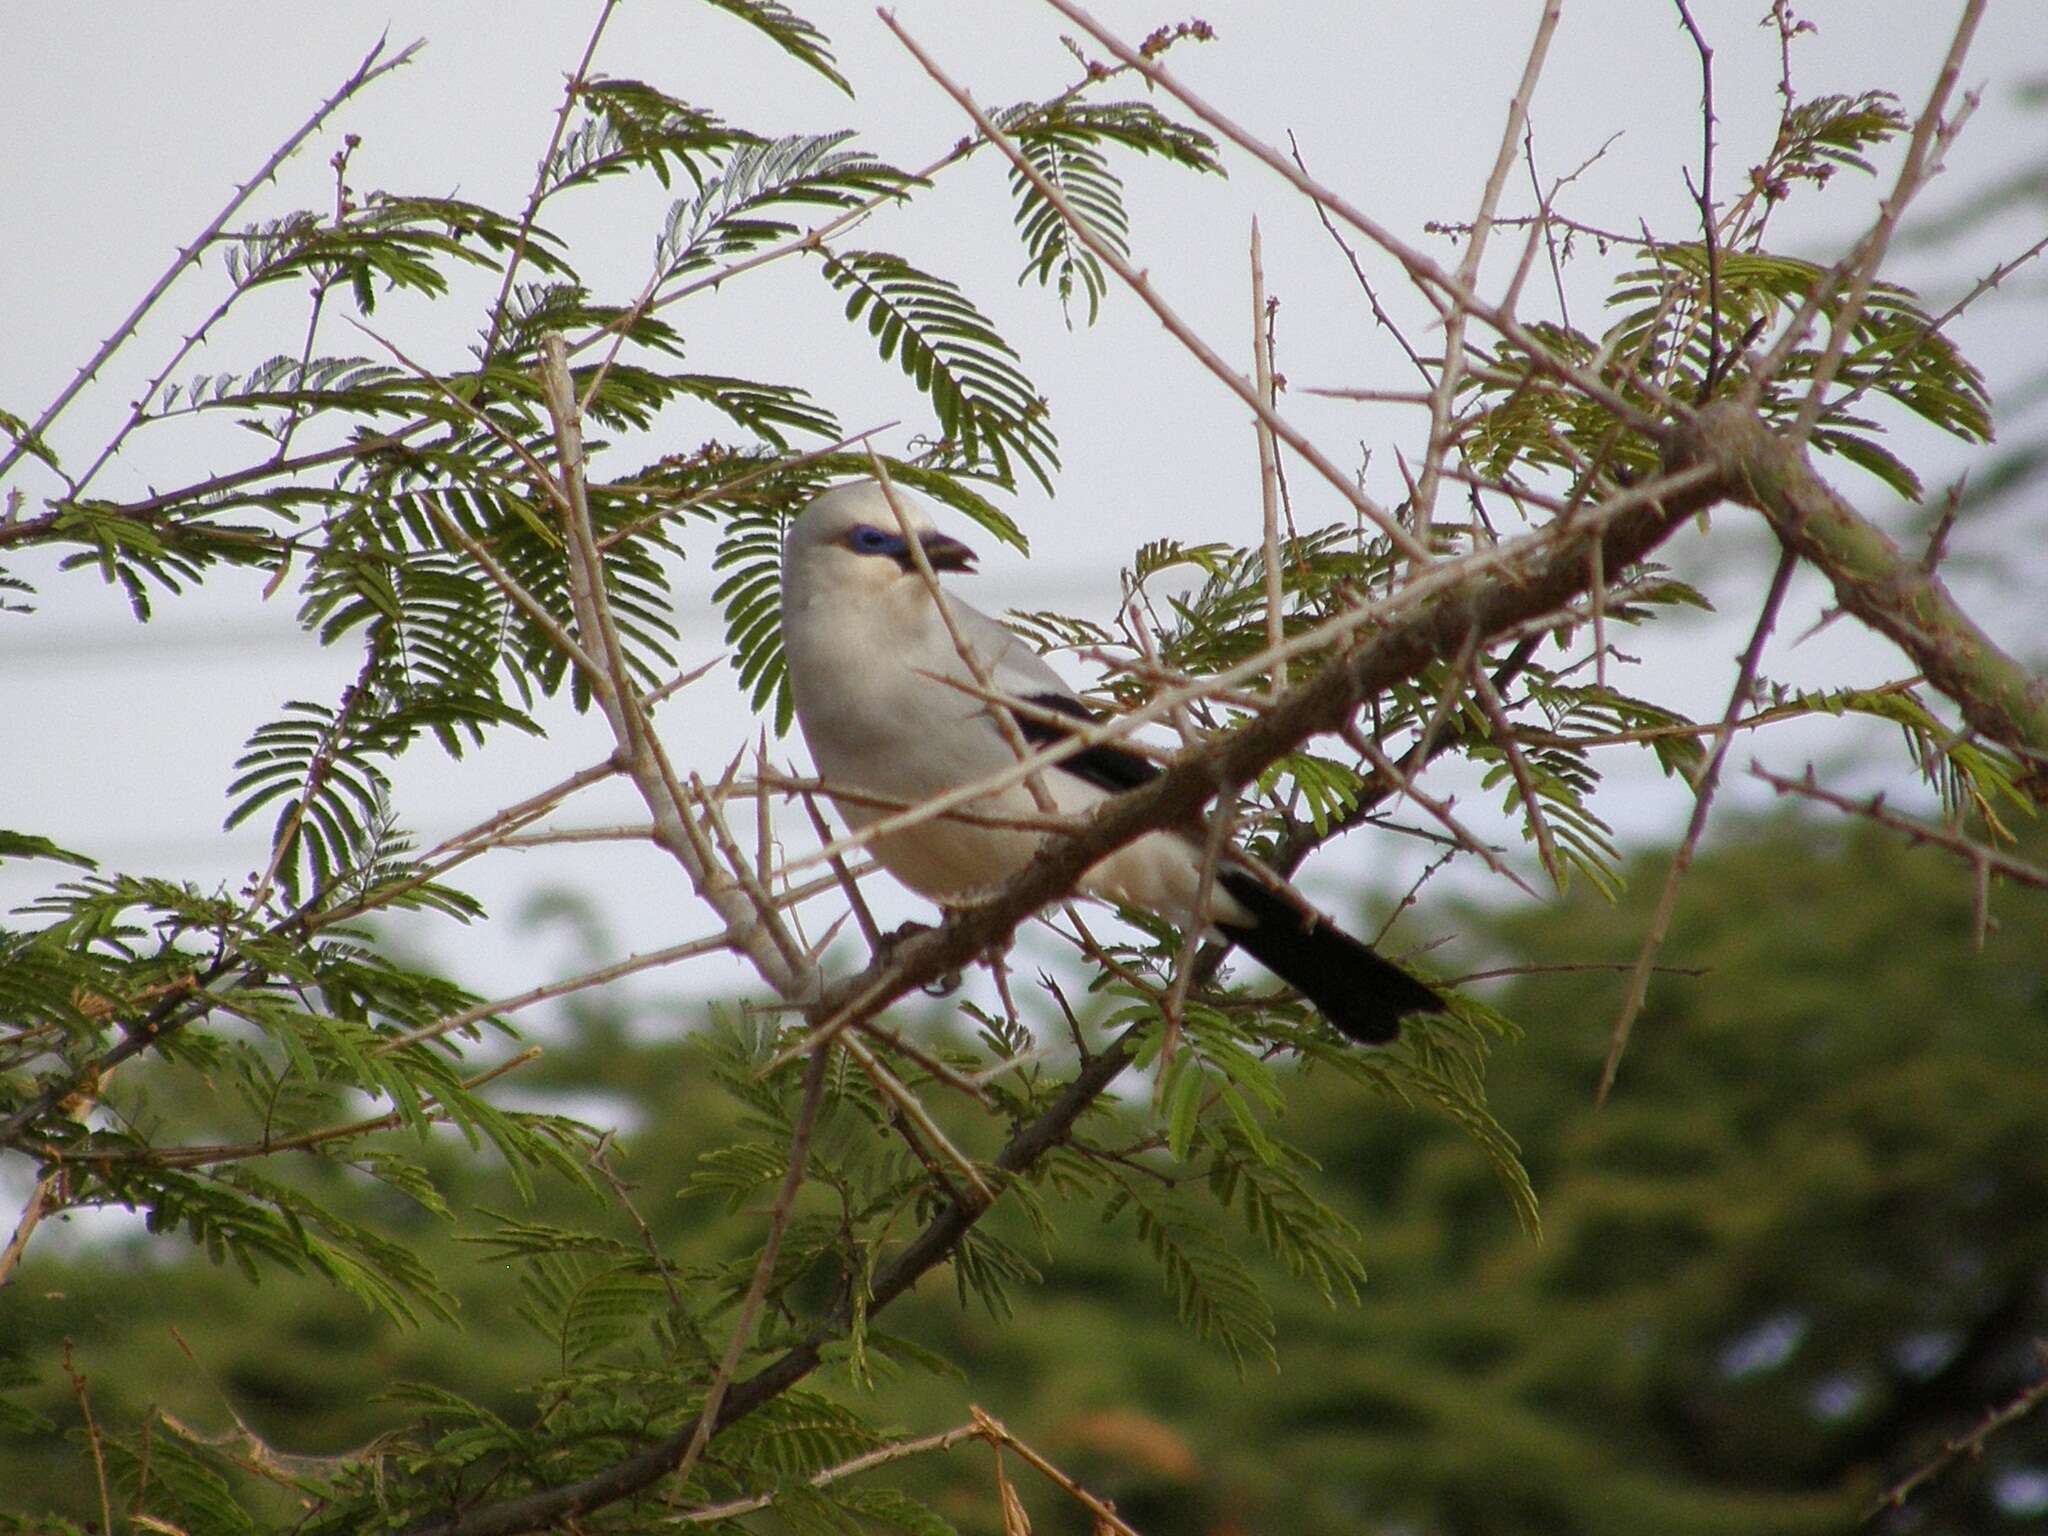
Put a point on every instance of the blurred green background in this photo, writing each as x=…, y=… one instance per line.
x=1806, y=1241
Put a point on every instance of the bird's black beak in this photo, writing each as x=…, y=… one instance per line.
x=946, y=553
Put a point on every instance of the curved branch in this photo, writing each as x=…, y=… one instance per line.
x=1874, y=580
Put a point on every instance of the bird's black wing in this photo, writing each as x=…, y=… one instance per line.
x=1355, y=988
x=1105, y=765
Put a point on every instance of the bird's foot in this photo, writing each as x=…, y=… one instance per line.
x=942, y=986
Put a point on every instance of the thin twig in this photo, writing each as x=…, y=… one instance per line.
x=1525, y=781
x=1875, y=809
x=372, y=68
x=1970, y=1445
x=1703, y=789
x=572, y=89
x=945, y=1440
x=911, y=1108
x=1703, y=196
x=1269, y=464
x=493, y=831
x=92, y=1437
x=1394, y=775
x=869, y=928
x=1372, y=298
x=1445, y=393
x=1340, y=481
x=764, y=1268
x=1936, y=324
x=1569, y=968
x=751, y=924
x=1106, y=1518
x=428, y=1112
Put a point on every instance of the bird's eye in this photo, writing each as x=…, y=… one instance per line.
x=867, y=540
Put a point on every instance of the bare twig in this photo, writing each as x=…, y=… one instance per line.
x=1936, y=324
x=650, y=960
x=1269, y=464
x=1703, y=196
x=945, y=1440
x=1139, y=284
x=1875, y=809
x=1525, y=781
x=1104, y=1513
x=373, y=67
x=1372, y=298
x=572, y=90
x=915, y=1116
x=1445, y=393
x=429, y=1111
x=1703, y=789
x=1970, y=1445
x=92, y=1436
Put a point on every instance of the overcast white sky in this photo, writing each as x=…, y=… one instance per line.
x=129, y=124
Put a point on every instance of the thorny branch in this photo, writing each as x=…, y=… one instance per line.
x=373, y=66
x=1704, y=786
x=1967, y=1445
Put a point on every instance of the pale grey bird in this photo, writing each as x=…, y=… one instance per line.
x=867, y=647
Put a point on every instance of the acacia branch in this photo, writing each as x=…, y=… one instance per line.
x=1984, y=861
x=1971, y=1444
x=1875, y=581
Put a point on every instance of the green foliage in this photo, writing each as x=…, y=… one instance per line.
x=628, y=125
x=1063, y=143
x=725, y=220
x=1689, y=310
x=988, y=410
x=1819, y=1155
x=1828, y=134
x=790, y=32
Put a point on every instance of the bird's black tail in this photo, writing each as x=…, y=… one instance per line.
x=1362, y=994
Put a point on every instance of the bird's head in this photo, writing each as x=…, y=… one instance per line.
x=850, y=538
